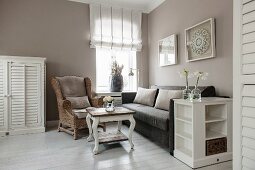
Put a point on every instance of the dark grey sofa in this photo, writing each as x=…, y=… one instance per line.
x=156, y=124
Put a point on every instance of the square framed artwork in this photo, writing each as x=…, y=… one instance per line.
x=200, y=41
x=167, y=50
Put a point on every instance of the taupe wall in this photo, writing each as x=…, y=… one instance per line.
x=57, y=30
x=172, y=17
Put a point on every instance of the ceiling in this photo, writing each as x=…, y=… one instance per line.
x=145, y=6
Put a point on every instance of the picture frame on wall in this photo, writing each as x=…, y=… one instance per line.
x=200, y=41
x=167, y=51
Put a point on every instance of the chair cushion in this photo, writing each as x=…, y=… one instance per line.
x=80, y=113
x=150, y=115
x=72, y=86
x=164, y=96
x=79, y=102
x=145, y=96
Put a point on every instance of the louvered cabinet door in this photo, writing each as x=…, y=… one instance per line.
x=247, y=85
x=3, y=98
x=32, y=94
x=17, y=95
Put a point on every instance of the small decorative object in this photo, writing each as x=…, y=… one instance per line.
x=186, y=92
x=109, y=103
x=117, y=78
x=196, y=93
x=168, y=50
x=200, y=41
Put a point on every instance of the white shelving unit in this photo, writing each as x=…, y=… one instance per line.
x=196, y=122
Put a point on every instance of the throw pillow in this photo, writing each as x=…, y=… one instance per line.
x=145, y=96
x=79, y=102
x=164, y=97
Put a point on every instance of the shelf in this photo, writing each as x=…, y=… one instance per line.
x=184, y=119
x=105, y=137
x=184, y=135
x=213, y=135
x=210, y=119
x=186, y=151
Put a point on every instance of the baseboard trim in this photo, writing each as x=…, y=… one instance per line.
x=52, y=123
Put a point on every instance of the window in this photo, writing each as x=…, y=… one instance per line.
x=104, y=59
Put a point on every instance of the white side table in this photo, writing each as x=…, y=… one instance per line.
x=99, y=115
x=203, y=131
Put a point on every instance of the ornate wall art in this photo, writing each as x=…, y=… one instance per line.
x=200, y=41
x=168, y=50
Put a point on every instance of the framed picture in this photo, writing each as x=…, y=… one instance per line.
x=200, y=41
x=167, y=49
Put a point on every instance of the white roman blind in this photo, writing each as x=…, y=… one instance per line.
x=248, y=85
x=17, y=94
x=112, y=27
x=2, y=113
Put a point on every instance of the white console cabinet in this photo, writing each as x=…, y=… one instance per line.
x=22, y=91
x=200, y=122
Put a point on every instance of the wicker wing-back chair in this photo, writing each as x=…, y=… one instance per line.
x=73, y=94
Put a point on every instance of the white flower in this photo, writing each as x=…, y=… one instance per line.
x=185, y=73
x=108, y=99
x=204, y=76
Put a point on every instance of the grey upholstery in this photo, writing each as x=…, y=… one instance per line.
x=72, y=86
x=150, y=124
x=79, y=102
x=150, y=115
x=80, y=114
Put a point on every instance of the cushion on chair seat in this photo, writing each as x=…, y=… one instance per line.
x=72, y=86
x=80, y=113
x=150, y=115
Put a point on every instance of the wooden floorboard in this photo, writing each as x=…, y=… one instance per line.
x=58, y=151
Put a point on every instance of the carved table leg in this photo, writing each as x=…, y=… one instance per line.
x=131, y=129
x=95, y=134
x=119, y=126
x=90, y=138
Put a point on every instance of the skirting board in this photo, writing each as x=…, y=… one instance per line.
x=52, y=123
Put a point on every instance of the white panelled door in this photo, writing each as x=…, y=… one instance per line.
x=21, y=95
x=244, y=85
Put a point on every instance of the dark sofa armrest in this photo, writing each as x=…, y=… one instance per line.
x=128, y=97
x=171, y=126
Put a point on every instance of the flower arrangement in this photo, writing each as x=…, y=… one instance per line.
x=195, y=93
x=200, y=75
x=116, y=68
x=108, y=99
x=185, y=73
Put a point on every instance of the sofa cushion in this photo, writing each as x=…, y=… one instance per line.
x=150, y=115
x=164, y=96
x=79, y=102
x=72, y=86
x=145, y=96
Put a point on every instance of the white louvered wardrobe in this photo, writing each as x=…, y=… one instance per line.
x=22, y=91
x=244, y=85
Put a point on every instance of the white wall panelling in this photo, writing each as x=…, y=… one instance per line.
x=22, y=90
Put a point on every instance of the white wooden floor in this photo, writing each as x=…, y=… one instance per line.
x=58, y=151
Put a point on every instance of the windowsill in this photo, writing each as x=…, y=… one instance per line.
x=105, y=93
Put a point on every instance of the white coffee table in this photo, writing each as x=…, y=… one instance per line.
x=99, y=115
